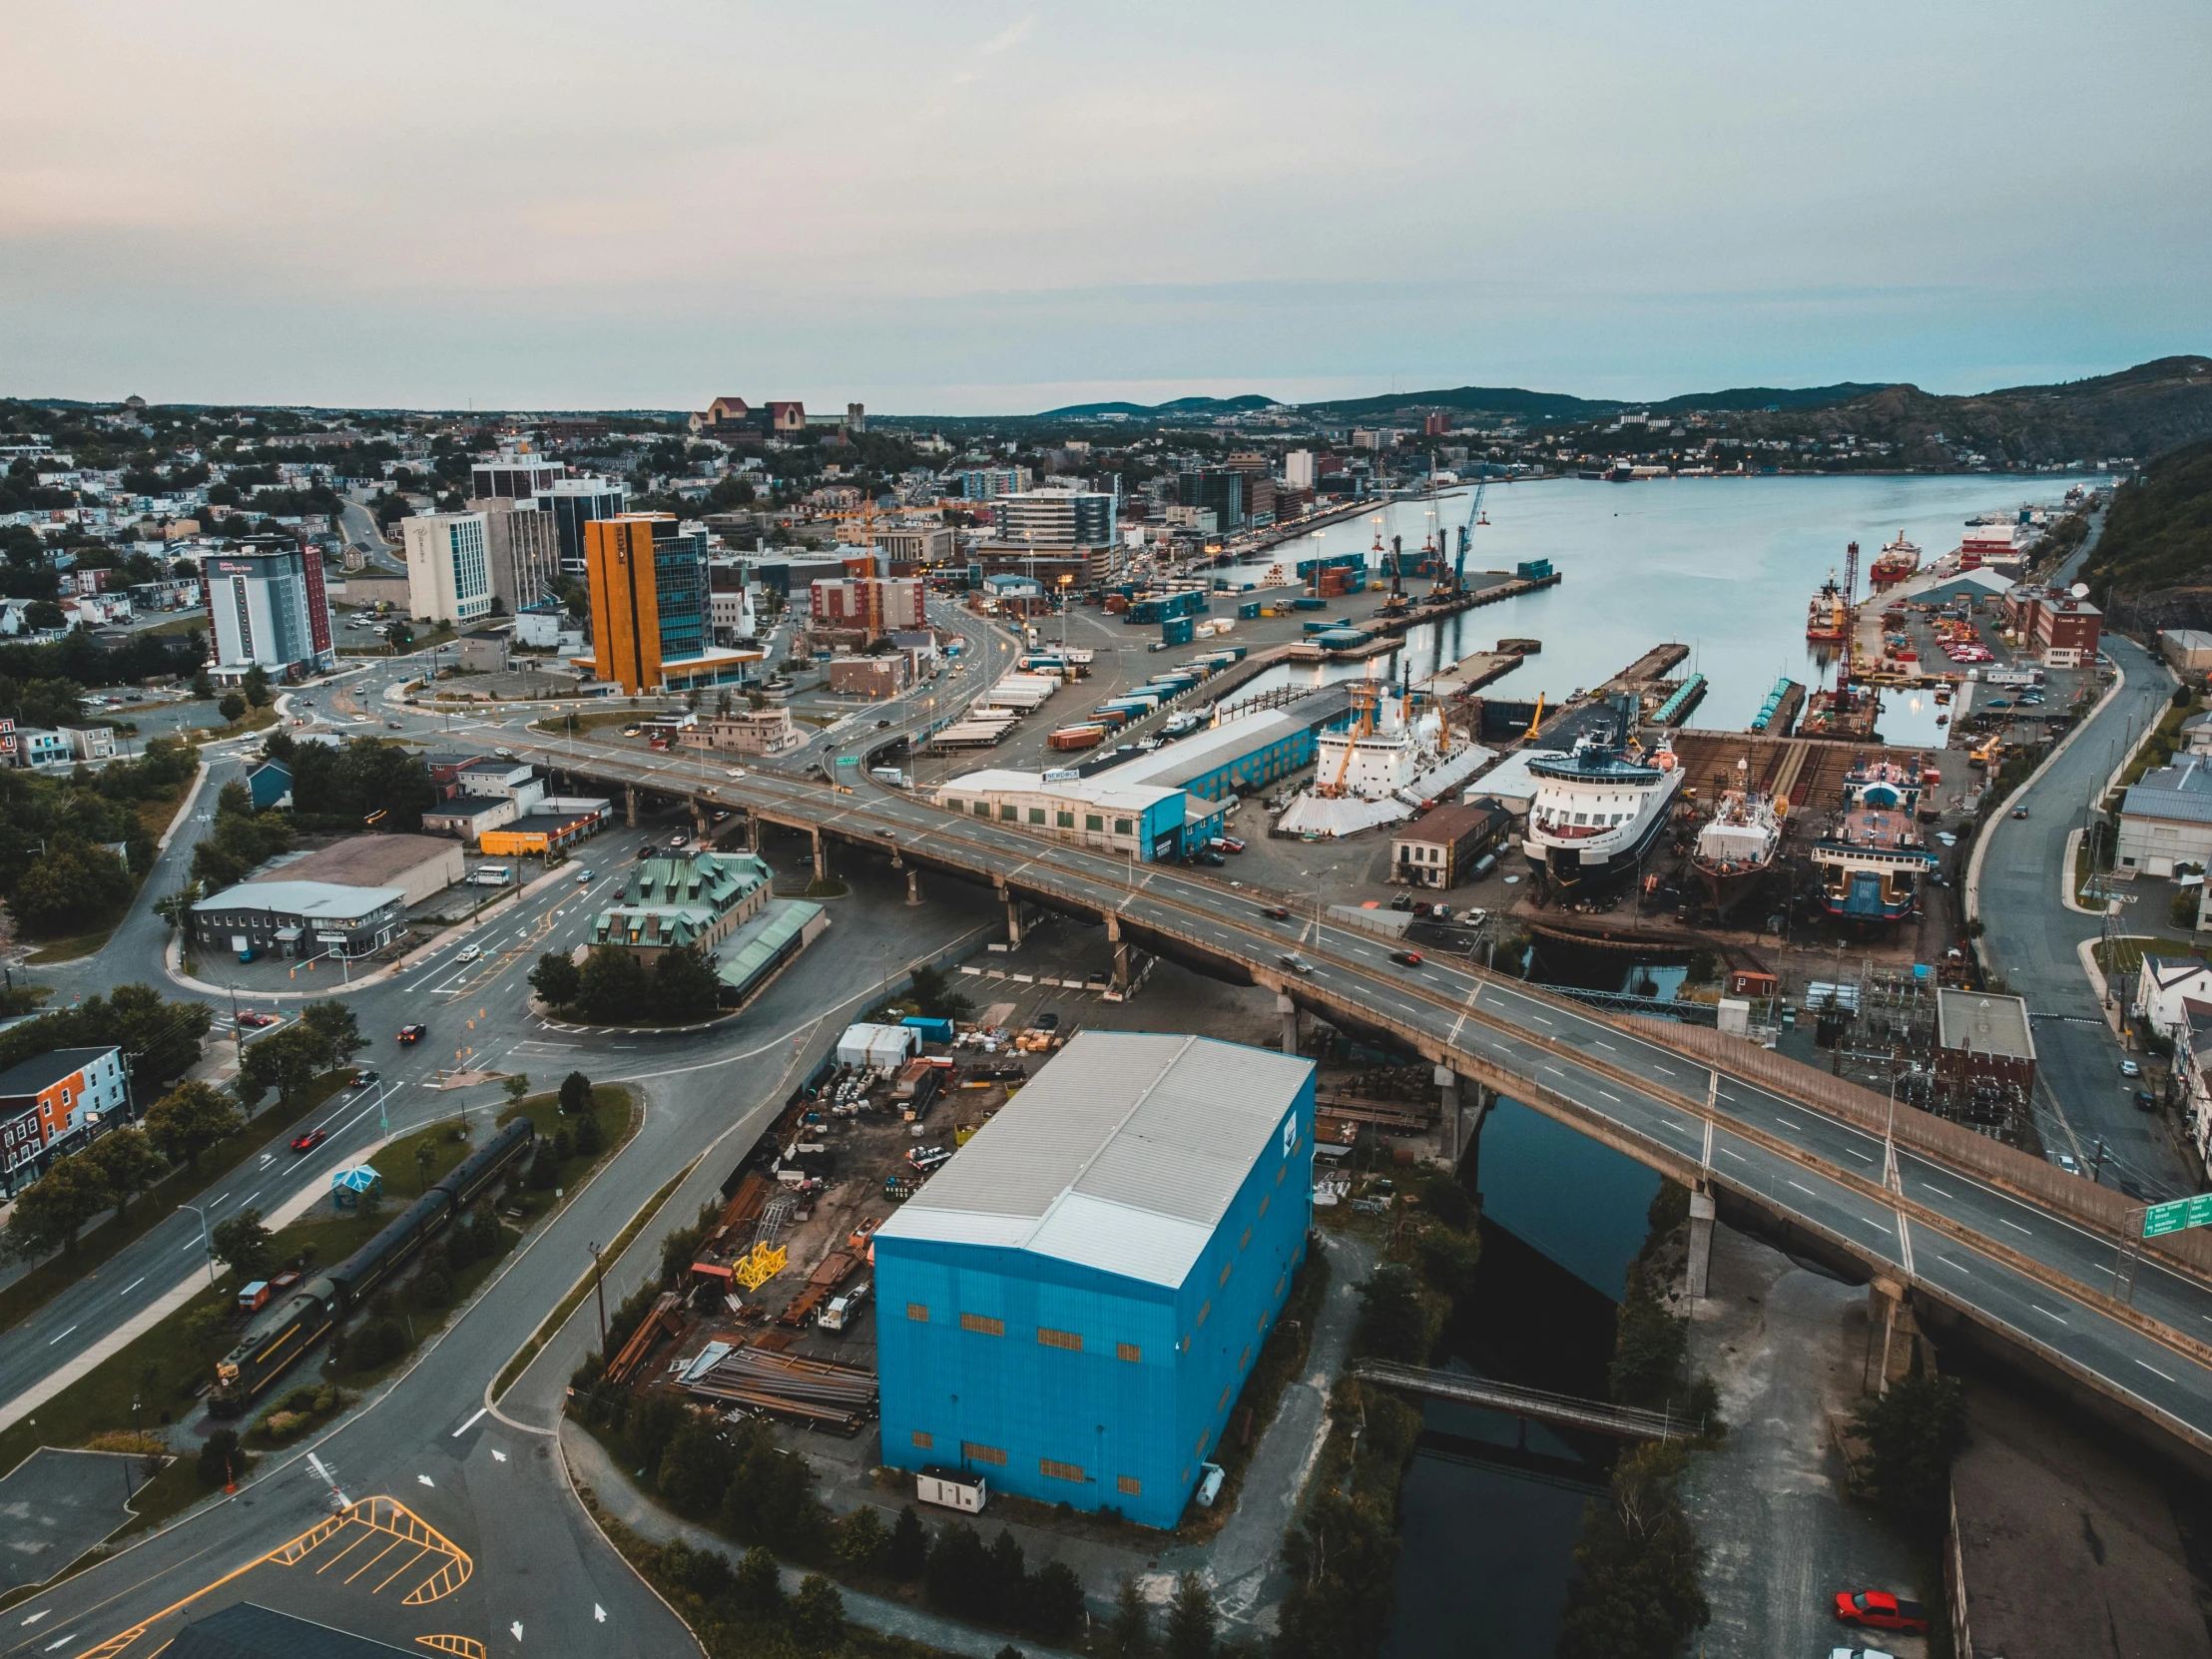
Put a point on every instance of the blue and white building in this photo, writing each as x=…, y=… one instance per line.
x=1070, y=1307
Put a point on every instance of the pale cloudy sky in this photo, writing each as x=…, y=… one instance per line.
x=982, y=207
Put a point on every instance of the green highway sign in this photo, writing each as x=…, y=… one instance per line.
x=2182, y=1213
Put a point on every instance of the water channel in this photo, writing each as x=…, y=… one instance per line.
x=1726, y=566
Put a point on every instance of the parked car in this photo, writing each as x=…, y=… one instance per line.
x=1407, y=958
x=310, y=1140
x=1879, y=1610
x=1207, y=856
x=2145, y=1101
x=2129, y=1068
x=1047, y=1022
x=412, y=1033
x=1232, y=843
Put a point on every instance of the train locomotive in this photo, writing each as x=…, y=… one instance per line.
x=279, y=1335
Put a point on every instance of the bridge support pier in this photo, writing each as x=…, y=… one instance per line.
x=1892, y=1327
x=698, y=817
x=1013, y=916
x=1288, y=1010
x=914, y=885
x=1702, y=1211
x=822, y=857
x=1121, y=952
x=630, y=805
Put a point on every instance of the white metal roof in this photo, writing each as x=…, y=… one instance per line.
x=1108, y=789
x=323, y=900
x=1122, y=1153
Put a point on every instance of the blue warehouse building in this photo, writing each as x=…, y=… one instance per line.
x=1245, y=755
x=1070, y=1307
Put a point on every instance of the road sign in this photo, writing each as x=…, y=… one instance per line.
x=2161, y=1219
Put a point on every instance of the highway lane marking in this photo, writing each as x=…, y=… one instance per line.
x=2017, y=1227
x=58, y=1339
x=516, y=1629
x=1602, y=1043
x=64, y=1642
x=131, y=1285
x=1884, y=1228
x=2156, y=1371
x=497, y=1456
x=1937, y=1191
x=1614, y=1098
x=1727, y=1152
x=471, y=1424
x=1803, y=1188
x=598, y=1613
x=1679, y=1129
x=1539, y=1019
x=40, y=1614
x=1862, y=1157
x=427, y=1480
x=1786, y=1123
x=1961, y=1266
x=1556, y=1071
x=2045, y=1312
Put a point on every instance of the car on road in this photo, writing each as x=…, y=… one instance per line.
x=879, y=724
x=1407, y=958
x=393, y=724
x=2020, y=812
x=583, y=876
x=1879, y=1610
x=1275, y=912
x=2129, y=1068
x=412, y=1033
x=253, y=1020
x=364, y=1079
x=2065, y=1159
x=471, y=952
x=678, y=839
x=1859, y=1653
x=734, y=771
x=310, y=1140
x=2145, y=1101
x=1295, y=963
x=504, y=753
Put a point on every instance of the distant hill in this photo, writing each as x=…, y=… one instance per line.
x=1201, y=408
x=1503, y=402
x=2153, y=564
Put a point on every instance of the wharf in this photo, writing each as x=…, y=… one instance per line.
x=1506, y=587
x=1649, y=669
x=1471, y=674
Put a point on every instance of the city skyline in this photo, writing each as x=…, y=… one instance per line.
x=995, y=210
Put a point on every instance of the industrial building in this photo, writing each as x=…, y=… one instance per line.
x=550, y=824
x=1982, y=1035
x=1071, y=1305
x=267, y=609
x=2187, y=650
x=420, y=866
x=1108, y=812
x=1245, y=755
x=2166, y=818
x=1440, y=849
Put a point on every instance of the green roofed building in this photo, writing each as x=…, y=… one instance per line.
x=669, y=903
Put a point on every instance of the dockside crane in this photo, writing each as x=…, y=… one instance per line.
x=1458, y=583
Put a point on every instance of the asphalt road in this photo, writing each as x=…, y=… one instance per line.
x=1783, y=1155
x=2034, y=940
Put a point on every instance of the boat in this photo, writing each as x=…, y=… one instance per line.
x=1884, y=782
x=1828, y=618
x=1871, y=862
x=1736, y=847
x=1598, y=809
x=1896, y=561
x=1383, y=768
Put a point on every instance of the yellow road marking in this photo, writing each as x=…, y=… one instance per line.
x=360, y=1538
x=373, y=1559
x=403, y=1567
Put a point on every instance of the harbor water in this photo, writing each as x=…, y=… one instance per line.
x=1725, y=565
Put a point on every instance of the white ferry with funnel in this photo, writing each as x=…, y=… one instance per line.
x=1598, y=809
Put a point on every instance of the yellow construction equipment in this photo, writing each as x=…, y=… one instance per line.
x=1362, y=703
x=758, y=1265
x=1538, y=718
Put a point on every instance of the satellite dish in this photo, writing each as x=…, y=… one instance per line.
x=2080, y=590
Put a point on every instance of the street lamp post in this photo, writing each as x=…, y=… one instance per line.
x=207, y=1244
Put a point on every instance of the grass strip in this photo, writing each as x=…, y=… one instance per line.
x=570, y=1303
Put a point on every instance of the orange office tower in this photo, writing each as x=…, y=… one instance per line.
x=625, y=600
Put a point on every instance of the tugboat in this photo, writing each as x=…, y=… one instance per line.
x=1896, y=561
x=1598, y=809
x=1737, y=845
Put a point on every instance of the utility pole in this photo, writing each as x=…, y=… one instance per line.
x=599, y=1289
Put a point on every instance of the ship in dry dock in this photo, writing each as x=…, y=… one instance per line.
x=1872, y=861
x=1736, y=847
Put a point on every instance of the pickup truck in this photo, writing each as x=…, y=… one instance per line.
x=1879, y=1610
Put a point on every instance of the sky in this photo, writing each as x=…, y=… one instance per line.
x=996, y=209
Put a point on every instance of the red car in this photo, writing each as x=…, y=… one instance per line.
x=310, y=1140
x=1407, y=958
x=1879, y=1610
x=1275, y=912
x=251, y=1021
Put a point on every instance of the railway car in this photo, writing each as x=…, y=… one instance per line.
x=289, y=1328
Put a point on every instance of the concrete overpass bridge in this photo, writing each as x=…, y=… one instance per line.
x=1949, y=1227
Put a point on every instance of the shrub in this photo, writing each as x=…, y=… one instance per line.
x=575, y=1093
x=433, y=1286
x=760, y=1590
x=589, y=1141
x=376, y=1342
x=219, y=1458
x=861, y=1539
x=907, y=1552
x=1055, y=1602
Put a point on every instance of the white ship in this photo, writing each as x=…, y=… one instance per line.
x=1737, y=845
x=1598, y=809
x=1381, y=768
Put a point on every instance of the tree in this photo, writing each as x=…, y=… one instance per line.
x=424, y=1156
x=1055, y=1602
x=203, y=688
x=958, y=1577
x=129, y=1162
x=685, y=985
x=861, y=1539
x=817, y=1616
x=934, y=997
x=1392, y=1324
x=244, y=1245
x=231, y=707
x=72, y=887
x=760, y=1588
x=516, y=1084
x=907, y=1552
x=288, y=1061
x=1132, y=1627
x=613, y=986
x=1914, y=1432
x=1009, y=1578
x=255, y=687
x=1635, y=1594
x=555, y=979
x=335, y=1023
x=176, y=908
x=188, y=1120
x=575, y=1093
x=1189, y=1620
x=589, y=1141
x=220, y=1460
x=49, y=1211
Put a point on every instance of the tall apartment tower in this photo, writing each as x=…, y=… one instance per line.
x=266, y=606
x=448, y=567
x=576, y=502
x=524, y=542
